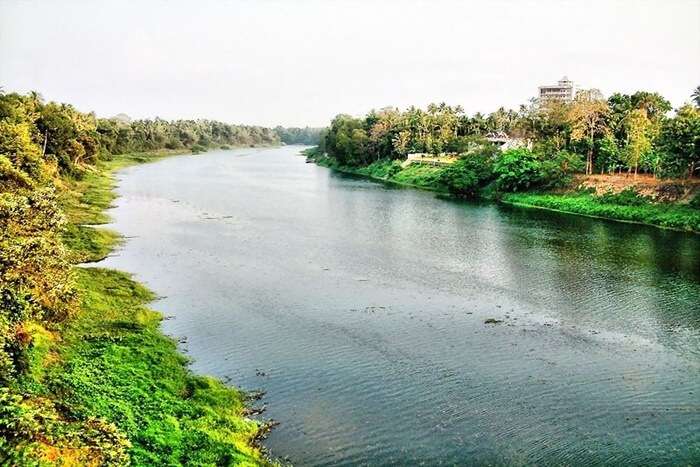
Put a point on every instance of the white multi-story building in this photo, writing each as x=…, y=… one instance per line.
x=564, y=90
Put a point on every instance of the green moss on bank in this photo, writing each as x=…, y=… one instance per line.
x=667, y=215
x=106, y=387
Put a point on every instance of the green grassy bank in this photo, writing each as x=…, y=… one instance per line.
x=625, y=207
x=425, y=177
x=665, y=215
x=106, y=387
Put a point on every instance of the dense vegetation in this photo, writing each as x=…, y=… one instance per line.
x=86, y=378
x=550, y=141
x=615, y=206
x=630, y=133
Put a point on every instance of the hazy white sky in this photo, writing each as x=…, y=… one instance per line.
x=300, y=62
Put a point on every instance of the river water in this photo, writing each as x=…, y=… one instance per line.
x=360, y=309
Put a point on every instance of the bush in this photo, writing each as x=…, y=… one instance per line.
x=198, y=148
x=627, y=197
x=522, y=169
x=664, y=215
x=517, y=170
x=556, y=171
x=469, y=174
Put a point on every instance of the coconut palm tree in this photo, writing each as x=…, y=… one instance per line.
x=696, y=96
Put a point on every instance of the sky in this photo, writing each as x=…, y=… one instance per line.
x=301, y=62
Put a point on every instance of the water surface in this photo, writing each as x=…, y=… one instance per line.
x=360, y=309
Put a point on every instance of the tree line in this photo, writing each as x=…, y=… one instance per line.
x=626, y=133
x=307, y=135
x=73, y=138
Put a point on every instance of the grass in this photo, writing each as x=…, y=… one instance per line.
x=119, y=367
x=107, y=387
x=666, y=215
x=426, y=177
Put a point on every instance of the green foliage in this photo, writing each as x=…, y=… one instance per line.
x=36, y=280
x=518, y=170
x=87, y=243
x=118, y=366
x=679, y=143
x=382, y=169
x=420, y=175
x=34, y=432
x=119, y=136
x=556, y=169
x=307, y=135
x=69, y=136
x=672, y=216
x=468, y=175
x=620, y=133
x=695, y=201
x=627, y=197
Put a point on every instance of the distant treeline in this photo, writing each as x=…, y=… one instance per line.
x=72, y=138
x=117, y=136
x=307, y=135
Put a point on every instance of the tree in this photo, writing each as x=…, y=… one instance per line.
x=696, y=96
x=608, y=154
x=638, y=137
x=546, y=122
x=655, y=105
x=470, y=172
x=587, y=116
x=679, y=142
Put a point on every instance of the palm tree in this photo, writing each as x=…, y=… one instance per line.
x=696, y=96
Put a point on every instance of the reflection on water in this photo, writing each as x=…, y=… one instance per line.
x=364, y=307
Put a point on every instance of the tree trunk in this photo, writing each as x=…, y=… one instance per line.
x=46, y=139
x=589, y=162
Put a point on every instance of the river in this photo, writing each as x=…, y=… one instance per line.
x=360, y=309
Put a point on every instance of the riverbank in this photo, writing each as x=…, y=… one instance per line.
x=425, y=177
x=640, y=210
x=106, y=386
x=663, y=215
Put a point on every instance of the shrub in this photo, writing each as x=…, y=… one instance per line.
x=556, y=171
x=517, y=170
x=627, y=197
x=522, y=169
x=469, y=174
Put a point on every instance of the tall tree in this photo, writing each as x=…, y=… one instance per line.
x=638, y=137
x=587, y=116
x=696, y=96
x=679, y=142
